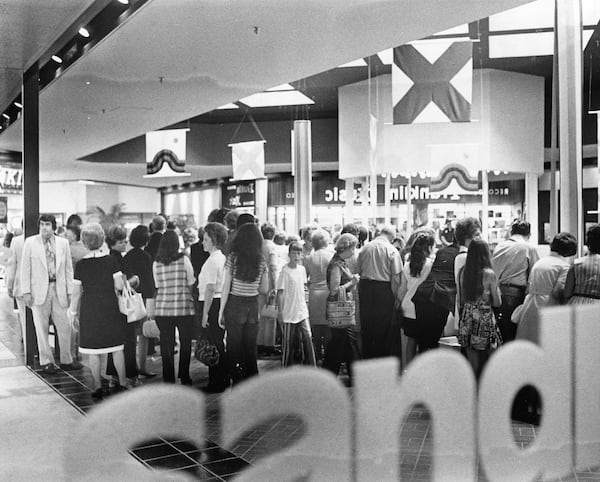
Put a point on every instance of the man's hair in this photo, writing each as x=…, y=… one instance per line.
x=564, y=244
x=267, y=230
x=466, y=229
x=521, y=227
x=592, y=239
x=47, y=218
x=158, y=223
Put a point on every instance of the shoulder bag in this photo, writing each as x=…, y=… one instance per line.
x=131, y=304
x=340, y=313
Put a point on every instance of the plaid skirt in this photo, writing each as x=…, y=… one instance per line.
x=477, y=328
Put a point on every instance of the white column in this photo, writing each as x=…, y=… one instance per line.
x=409, y=216
x=349, y=202
x=364, y=201
x=531, y=205
x=260, y=200
x=303, y=172
x=568, y=14
x=373, y=198
x=387, y=207
x=485, y=198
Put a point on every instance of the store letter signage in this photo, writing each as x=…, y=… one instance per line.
x=467, y=421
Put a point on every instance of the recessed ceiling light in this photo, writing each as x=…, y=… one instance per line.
x=57, y=59
x=87, y=82
x=124, y=2
x=84, y=32
x=273, y=99
x=6, y=116
x=280, y=87
x=19, y=105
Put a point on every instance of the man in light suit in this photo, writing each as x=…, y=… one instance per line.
x=46, y=285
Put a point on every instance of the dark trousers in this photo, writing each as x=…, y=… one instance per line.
x=431, y=320
x=511, y=298
x=376, y=314
x=167, y=325
x=218, y=377
x=129, y=348
x=241, y=323
x=342, y=347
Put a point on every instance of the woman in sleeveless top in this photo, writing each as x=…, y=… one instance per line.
x=413, y=274
x=245, y=277
x=478, y=332
x=174, y=306
x=583, y=280
x=342, y=346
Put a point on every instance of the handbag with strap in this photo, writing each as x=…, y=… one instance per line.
x=206, y=351
x=131, y=304
x=150, y=329
x=270, y=310
x=340, y=313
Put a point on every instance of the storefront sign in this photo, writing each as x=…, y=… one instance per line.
x=358, y=437
x=11, y=180
x=329, y=190
x=238, y=195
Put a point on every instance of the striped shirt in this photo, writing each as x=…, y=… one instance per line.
x=244, y=288
x=173, y=281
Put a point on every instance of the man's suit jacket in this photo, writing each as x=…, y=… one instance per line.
x=34, y=270
x=13, y=275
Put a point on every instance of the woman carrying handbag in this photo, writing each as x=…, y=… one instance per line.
x=343, y=346
x=210, y=286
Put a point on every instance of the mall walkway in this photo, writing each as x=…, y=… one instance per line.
x=39, y=411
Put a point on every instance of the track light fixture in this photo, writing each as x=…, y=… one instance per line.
x=84, y=32
x=6, y=116
x=57, y=59
x=18, y=105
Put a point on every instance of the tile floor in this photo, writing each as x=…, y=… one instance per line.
x=214, y=463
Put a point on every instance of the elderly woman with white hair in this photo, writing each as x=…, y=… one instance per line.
x=343, y=346
x=94, y=303
x=316, y=268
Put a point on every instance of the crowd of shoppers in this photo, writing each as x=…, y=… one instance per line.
x=214, y=282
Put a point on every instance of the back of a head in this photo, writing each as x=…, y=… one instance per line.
x=279, y=239
x=350, y=228
x=168, y=249
x=139, y=236
x=478, y=259
x=217, y=233
x=388, y=231
x=218, y=215
x=158, y=224
x=520, y=227
x=74, y=220
x=564, y=244
x=466, y=229
x=230, y=219
x=268, y=231
x=320, y=239
x=592, y=239
x=345, y=241
x=244, y=218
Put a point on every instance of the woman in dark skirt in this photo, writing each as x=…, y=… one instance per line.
x=94, y=304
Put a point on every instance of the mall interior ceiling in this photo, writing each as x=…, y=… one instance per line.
x=162, y=63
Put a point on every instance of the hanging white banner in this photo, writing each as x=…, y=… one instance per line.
x=248, y=160
x=165, y=153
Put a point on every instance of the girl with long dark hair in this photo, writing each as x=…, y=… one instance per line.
x=478, y=332
x=245, y=277
x=413, y=274
x=174, y=306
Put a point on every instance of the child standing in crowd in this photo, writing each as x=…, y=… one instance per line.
x=291, y=299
